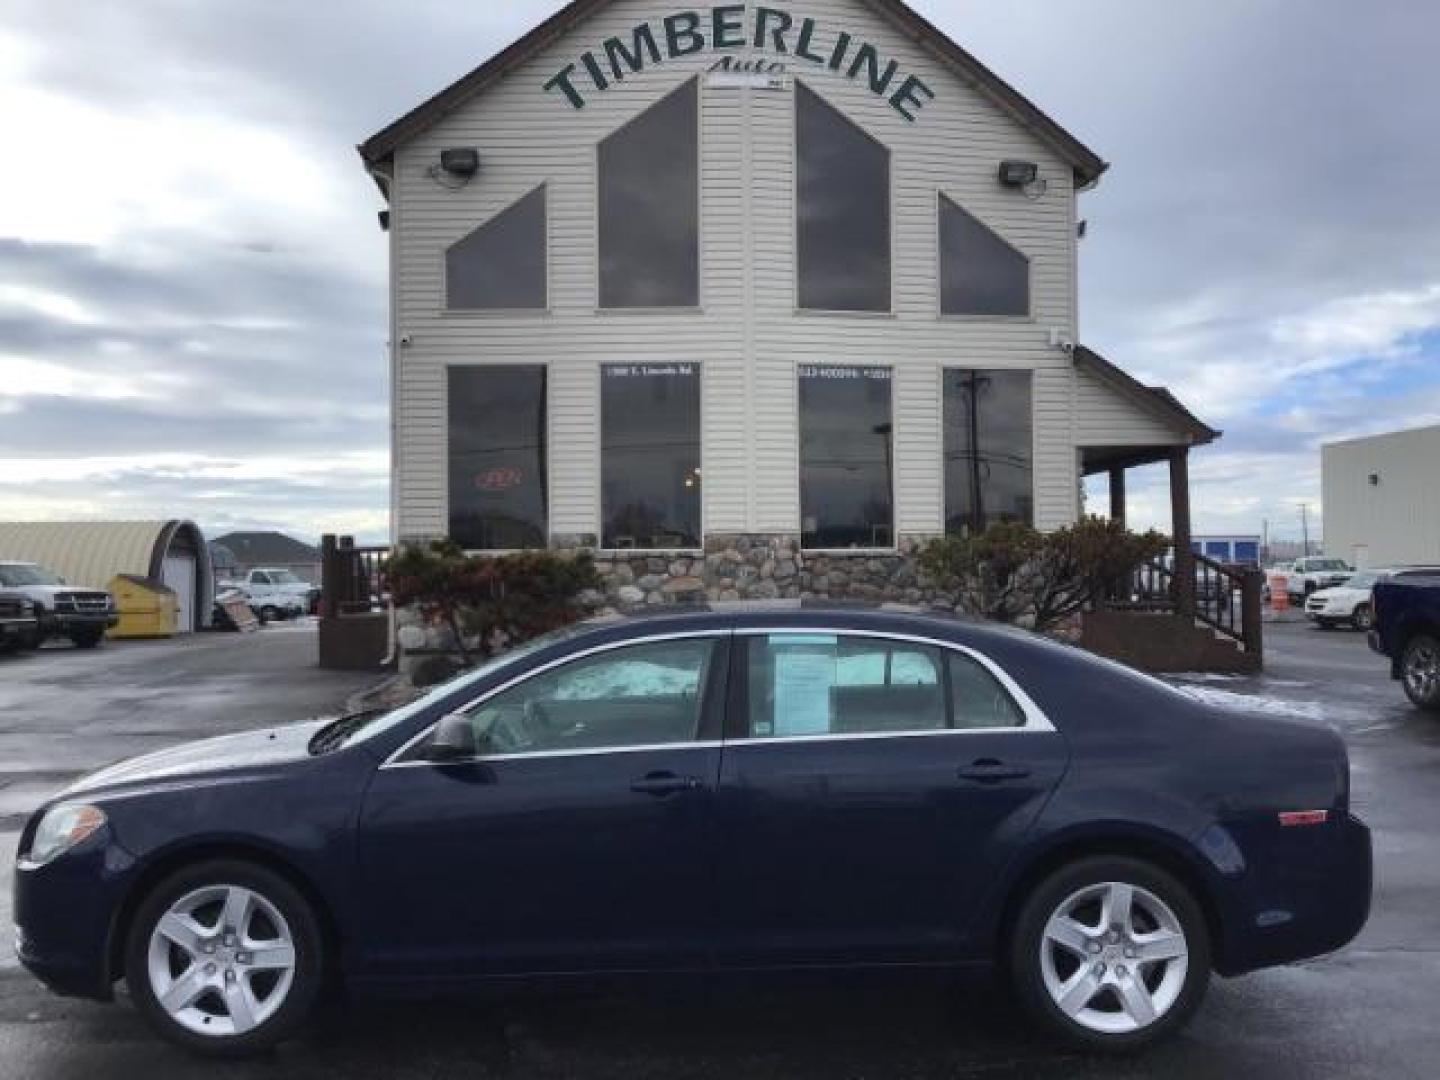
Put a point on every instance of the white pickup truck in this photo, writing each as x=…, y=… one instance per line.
x=275, y=594
x=1314, y=572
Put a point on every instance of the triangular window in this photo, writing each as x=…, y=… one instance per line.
x=980, y=273
x=501, y=265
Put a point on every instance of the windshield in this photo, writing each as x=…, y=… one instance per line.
x=1365, y=580
x=17, y=575
x=1327, y=564
x=283, y=577
x=381, y=722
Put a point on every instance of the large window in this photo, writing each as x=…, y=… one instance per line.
x=650, y=207
x=641, y=695
x=501, y=265
x=650, y=455
x=846, y=452
x=980, y=274
x=989, y=433
x=843, y=211
x=497, y=457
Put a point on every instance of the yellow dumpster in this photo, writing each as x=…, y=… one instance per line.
x=147, y=609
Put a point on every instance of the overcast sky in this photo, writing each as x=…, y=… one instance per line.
x=192, y=304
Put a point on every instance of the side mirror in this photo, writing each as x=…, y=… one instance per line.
x=454, y=739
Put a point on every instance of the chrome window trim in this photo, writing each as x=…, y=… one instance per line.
x=1036, y=720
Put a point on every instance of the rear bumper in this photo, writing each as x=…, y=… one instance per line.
x=1311, y=902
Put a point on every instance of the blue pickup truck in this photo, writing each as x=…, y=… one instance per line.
x=1407, y=630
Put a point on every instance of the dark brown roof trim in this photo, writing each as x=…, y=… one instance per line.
x=375, y=150
x=1157, y=400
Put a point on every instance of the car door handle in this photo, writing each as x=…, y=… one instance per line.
x=991, y=771
x=662, y=784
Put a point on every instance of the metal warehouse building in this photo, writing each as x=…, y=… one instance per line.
x=1382, y=499
x=751, y=299
x=91, y=554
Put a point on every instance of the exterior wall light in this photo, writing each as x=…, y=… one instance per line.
x=463, y=162
x=1019, y=174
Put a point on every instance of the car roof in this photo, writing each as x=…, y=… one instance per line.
x=804, y=614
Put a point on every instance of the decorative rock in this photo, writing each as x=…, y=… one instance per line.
x=786, y=569
x=655, y=598
x=682, y=585
x=651, y=582
x=629, y=594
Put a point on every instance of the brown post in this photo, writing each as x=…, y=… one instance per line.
x=1117, y=495
x=1252, y=625
x=1181, y=531
x=329, y=577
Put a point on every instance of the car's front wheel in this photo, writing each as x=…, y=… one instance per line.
x=1420, y=669
x=225, y=958
x=1110, y=954
x=1362, y=620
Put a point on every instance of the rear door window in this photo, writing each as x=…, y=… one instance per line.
x=810, y=685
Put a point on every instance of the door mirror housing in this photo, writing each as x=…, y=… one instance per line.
x=454, y=739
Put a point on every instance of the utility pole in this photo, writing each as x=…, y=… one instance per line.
x=1305, y=525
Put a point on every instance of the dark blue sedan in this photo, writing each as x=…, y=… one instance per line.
x=708, y=792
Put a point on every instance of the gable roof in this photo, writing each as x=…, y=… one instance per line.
x=381, y=146
x=261, y=548
x=1155, y=400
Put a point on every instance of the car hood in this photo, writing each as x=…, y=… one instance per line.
x=1339, y=592
x=268, y=746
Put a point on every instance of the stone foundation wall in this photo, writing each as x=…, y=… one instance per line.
x=750, y=566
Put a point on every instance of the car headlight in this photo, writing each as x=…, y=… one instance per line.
x=62, y=828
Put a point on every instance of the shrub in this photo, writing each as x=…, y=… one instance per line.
x=496, y=601
x=1014, y=573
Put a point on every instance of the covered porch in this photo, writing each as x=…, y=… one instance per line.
x=1188, y=612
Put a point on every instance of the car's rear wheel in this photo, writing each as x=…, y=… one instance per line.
x=225, y=958
x=1362, y=620
x=1110, y=954
x=1420, y=671
x=269, y=614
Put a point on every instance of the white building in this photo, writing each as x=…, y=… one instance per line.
x=793, y=288
x=1382, y=499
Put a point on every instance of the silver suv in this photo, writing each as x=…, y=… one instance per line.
x=82, y=615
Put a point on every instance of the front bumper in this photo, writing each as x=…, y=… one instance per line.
x=65, y=912
x=19, y=631
x=1308, y=896
x=60, y=623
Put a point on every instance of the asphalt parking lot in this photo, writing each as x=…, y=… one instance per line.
x=1367, y=1011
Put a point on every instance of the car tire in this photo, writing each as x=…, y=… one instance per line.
x=1361, y=620
x=269, y=614
x=1420, y=671
x=88, y=638
x=217, y=994
x=1324, y=624
x=1077, y=962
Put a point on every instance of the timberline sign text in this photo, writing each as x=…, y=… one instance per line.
x=772, y=30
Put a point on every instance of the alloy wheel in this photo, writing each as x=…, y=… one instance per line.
x=221, y=960
x=1114, y=958
x=1422, y=671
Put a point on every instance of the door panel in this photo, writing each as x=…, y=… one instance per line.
x=856, y=840
x=580, y=839
x=546, y=864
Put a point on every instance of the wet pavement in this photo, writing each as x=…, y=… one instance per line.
x=1365, y=1012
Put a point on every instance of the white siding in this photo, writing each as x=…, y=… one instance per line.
x=1393, y=522
x=1106, y=417
x=747, y=337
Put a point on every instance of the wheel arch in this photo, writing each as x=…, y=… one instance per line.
x=1166, y=852
x=177, y=859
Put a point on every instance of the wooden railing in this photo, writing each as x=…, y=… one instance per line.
x=1225, y=598
x=351, y=582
